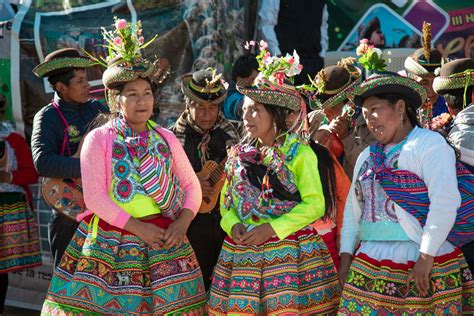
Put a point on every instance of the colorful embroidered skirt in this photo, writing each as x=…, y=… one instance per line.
x=378, y=287
x=19, y=243
x=280, y=277
x=111, y=271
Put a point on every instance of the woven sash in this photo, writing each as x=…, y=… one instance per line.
x=410, y=192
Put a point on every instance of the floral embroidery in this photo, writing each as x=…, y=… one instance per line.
x=390, y=288
x=380, y=285
x=351, y=306
x=250, y=201
x=358, y=280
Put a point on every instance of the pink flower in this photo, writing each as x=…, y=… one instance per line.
x=364, y=41
x=120, y=24
x=291, y=61
x=263, y=45
x=279, y=76
x=266, y=56
x=141, y=39
x=300, y=67
x=117, y=41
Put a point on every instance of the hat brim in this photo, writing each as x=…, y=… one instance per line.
x=377, y=85
x=194, y=97
x=116, y=75
x=443, y=84
x=272, y=94
x=420, y=70
x=61, y=65
x=345, y=93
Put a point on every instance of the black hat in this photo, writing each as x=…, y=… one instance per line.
x=454, y=75
x=335, y=83
x=62, y=61
x=204, y=86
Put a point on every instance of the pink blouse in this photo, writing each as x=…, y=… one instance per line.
x=96, y=171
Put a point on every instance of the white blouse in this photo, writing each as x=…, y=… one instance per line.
x=428, y=155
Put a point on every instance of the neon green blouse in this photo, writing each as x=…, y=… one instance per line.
x=304, y=166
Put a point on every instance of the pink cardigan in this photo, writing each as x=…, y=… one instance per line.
x=96, y=171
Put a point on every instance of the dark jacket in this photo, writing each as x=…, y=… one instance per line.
x=48, y=136
x=216, y=147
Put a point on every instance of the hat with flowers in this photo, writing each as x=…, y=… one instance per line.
x=425, y=60
x=274, y=83
x=333, y=84
x=125, y=62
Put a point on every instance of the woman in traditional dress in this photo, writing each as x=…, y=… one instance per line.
x=401, y=267
x=130, y=254
x=19, y=243
x=272, y=262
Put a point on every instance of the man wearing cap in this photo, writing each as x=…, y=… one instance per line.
x=422, y=66
x=205, y=133
x=58, y=129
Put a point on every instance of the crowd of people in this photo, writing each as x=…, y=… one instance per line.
x=351, y=194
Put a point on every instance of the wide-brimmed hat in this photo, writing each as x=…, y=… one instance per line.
x=120, y=71
x=125, y=62
x=336, y=83
x=62, y=61
x=391, y=83
x=424, y=61
x=268, y=92
x=454, y=75
x=204, y=86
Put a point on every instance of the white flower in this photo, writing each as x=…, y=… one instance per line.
x=378, y=51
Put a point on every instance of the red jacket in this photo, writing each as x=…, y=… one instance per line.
x=26, y=173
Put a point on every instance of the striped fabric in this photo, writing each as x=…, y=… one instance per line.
x=160, y=185
x=19, y=243
x=118, y=274
x=154, y=166
x=294, y=276
x=376, y=287
x=410, y=192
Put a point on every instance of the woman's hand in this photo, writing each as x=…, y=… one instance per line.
x=151, y=234
x=258, y=235
x=421, y=273
x=344, y=266
x=176, y=232
x=238, y=230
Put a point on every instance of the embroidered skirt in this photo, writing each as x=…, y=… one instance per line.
x=19, y=243
x=376, y=283
x=111, y=271
x=280, y=277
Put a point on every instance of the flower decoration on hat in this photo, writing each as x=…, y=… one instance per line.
x=370, y=56
x=125, y=41
x=276, y=69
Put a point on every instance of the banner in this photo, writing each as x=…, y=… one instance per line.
x=397, y=24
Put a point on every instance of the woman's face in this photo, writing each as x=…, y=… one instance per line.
x=258, y=122
x=136, y=103
x=384, y=120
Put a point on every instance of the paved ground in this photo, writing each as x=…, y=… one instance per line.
x=13, y=311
